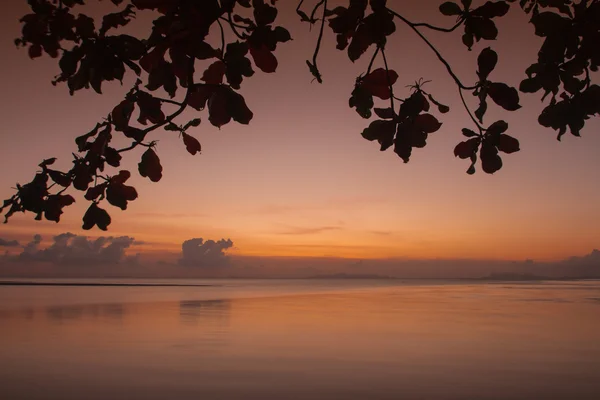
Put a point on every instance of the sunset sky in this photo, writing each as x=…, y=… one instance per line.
x=300, y=181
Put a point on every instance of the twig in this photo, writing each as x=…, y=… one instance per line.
x=323, y=3
x=372, y=61
x=460, y=91
x=389, y=81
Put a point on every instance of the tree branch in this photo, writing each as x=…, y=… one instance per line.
x=432, y=47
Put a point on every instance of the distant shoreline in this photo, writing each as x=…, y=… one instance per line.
x=84, y=284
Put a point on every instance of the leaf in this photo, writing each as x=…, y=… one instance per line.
x=96, y=216
x=119, y=194
x=427, y=123
x=467, y=148
x=121, y=114
x=192, y=145
x=94, y=192
x=60, y=178
x=382, y=131
x=385, y=113
x=47, y=162
x=150, y=166
x=490, y=160
x=362, y=100
x=237, y=108
x=215, y=73
x=507, y=144
x=442, y=108
x=218, y=114
x=54, y=205
x=193, y=123
x=378, y=84
x=362, y=39
x=112, y=157
x=481, y=110
x=486, y=62
x=492, y=9
x=497, y=128
x=469, y=133
x=264, y=59
x=505, y=96
x=530, y=85
x=449, y=8
x=172, y=127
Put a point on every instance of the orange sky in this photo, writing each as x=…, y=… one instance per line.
x=301, y=181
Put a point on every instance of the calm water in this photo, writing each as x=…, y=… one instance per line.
x=302, y=340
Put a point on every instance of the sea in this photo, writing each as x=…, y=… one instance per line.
x=318, y=339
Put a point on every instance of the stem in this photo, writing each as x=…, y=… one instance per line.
x=233, y=26
x=177, y=103
x=318, y=48
x=460, y=91
x=437, y=28
x=389, y=81
x=372, y=61
x=314, y=11
x=222, y=39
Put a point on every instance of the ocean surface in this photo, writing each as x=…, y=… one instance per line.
x=301, y=339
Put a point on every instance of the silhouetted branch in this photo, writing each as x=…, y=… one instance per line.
x=182, y=106
x=434, y=49
x=437, y=28
x=372, y=61
x=233, y=26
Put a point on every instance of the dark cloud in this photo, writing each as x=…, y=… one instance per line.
x=8, y=243
x=68, y=249
x=200, y=253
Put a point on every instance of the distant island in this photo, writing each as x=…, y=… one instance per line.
x=343, y=275
x=529, y=277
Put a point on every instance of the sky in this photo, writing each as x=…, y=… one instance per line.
x=300, y=183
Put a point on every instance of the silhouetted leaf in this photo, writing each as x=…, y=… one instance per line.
x=507, y=144
x=54, y=206
x=264, y=59
x=504, y=95
x=376, y=83
x=385, y=113
x=192, y=145
x=119, y=194
x=382, y=131
x=450, y=8
x=96, y=216
x=362, y=100
x=492, y=9
x=486, y=62
x=467, y=148
x=427, y=123
x=193, y=123
x=150, y=166
x=469, y=133
x=490, y=160
x=214, y=74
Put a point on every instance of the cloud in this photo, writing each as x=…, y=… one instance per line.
x=69, y=249
x=293, y=230
x=8, y=243
x=199, y=253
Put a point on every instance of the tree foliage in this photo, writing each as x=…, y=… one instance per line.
x=91, y=53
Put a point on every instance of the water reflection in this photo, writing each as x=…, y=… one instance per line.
x=192, y=312
x=485, y=342
x=62, y=314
